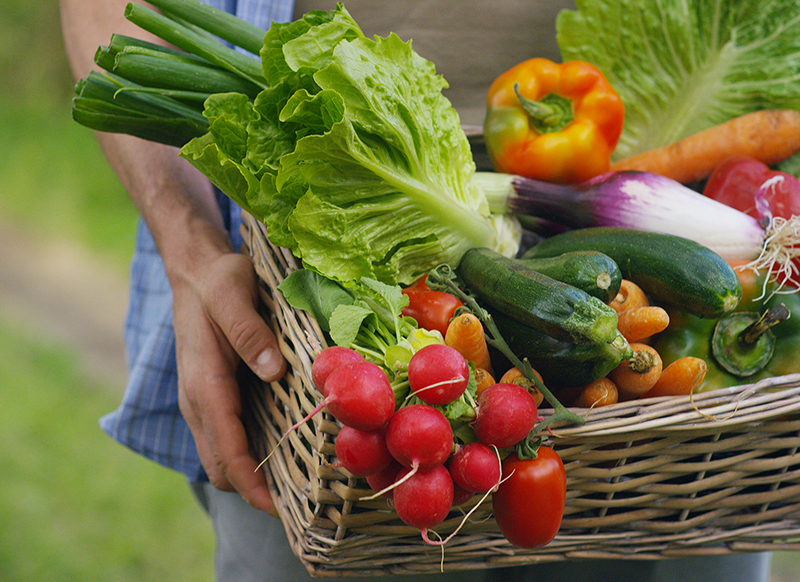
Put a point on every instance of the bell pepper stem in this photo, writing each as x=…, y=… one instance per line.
x=773, y=316
x=552, y=113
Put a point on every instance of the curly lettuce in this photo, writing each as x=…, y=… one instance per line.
x=682, y=66
x=352, y=157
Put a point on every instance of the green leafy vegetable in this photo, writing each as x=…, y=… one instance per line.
x=682, y=67
x=370, y=321
x=344, y=146
x=353, y=158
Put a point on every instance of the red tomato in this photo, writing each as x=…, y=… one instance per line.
x=529, y=504
x=432, y=310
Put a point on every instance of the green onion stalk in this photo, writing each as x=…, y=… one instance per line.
x=158, y=93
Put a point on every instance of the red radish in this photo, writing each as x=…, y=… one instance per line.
x=328, y=360
x=438, y=374
x=423, y=499
x=362, y=452
x=419, y=437
x=460, y=495
x=506, y=414
x=359, y=395
x=475, y=467
x=382, y=480
x=771, y=196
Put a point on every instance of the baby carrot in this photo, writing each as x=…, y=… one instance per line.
x=681, y=377
x=639, y=323
x=768, y=135
x=515, y=376
x=465, y=334
x=601, y=392
x=630, y=295
x=637, y=375
x=484, y=379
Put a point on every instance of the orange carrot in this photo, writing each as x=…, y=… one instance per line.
x=681, y=377
x=640, y=323
x=601, y=392
x=638, y=374
x=515, y=376
x=465, y=334
x=630, y=295
x=484, y=380
x=752, y=283
x=768, y=135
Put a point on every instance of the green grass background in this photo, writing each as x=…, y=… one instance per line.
x=75, y=506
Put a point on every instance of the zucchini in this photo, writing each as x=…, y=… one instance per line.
x=591, y=271
x=562, y=364
x=557, y=309
x=672, y=269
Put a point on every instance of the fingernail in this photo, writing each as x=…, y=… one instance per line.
x=268, y=364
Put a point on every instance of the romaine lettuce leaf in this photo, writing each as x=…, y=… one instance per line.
x=354, y=159
x=682, y=66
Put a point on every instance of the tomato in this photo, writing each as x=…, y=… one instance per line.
x=432, y=310
x=529, y=503
x=754, y=188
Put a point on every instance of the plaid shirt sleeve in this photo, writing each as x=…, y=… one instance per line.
x=148, y=419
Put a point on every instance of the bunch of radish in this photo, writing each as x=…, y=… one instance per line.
x=408, y=453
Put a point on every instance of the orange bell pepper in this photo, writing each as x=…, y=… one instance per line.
x=558, y=122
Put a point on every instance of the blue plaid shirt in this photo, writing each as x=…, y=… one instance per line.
x=148, y=419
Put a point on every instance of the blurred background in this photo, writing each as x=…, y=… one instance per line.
x=73, y=504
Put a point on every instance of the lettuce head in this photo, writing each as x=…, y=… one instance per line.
x=352, y=157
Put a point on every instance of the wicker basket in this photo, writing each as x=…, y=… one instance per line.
x=665, y=477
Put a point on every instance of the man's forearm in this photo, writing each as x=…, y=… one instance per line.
x=176, y=201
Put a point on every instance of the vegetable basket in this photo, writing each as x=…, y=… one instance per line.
x=715, y=473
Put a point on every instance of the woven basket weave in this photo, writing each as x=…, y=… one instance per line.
x=648, y=479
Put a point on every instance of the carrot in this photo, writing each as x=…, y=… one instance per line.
x=465, y=334
x=640, y=323
x=768, y=135
x=601, y=392
x=638, y=374
x=515, y=376
x=681, y=377
x=484, y=380
x=630, y=295
x=752, y=283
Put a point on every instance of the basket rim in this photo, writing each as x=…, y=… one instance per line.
x=720, y=408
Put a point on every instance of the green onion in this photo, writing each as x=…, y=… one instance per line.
x=218, y=22
x=196, y=42
x=104, y=102
x=174, y=73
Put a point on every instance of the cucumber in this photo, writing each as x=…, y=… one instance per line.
x=591, y=271
x=672, y=269
x=562, y=364
x=557, y=309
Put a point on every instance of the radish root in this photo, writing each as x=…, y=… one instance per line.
x=292, y=428
x=781, y=247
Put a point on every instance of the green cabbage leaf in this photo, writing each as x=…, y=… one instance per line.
x=683, y=66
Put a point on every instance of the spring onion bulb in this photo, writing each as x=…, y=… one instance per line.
x=650, y=202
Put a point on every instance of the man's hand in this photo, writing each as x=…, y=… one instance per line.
x=214, y=287
x=216, y=324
